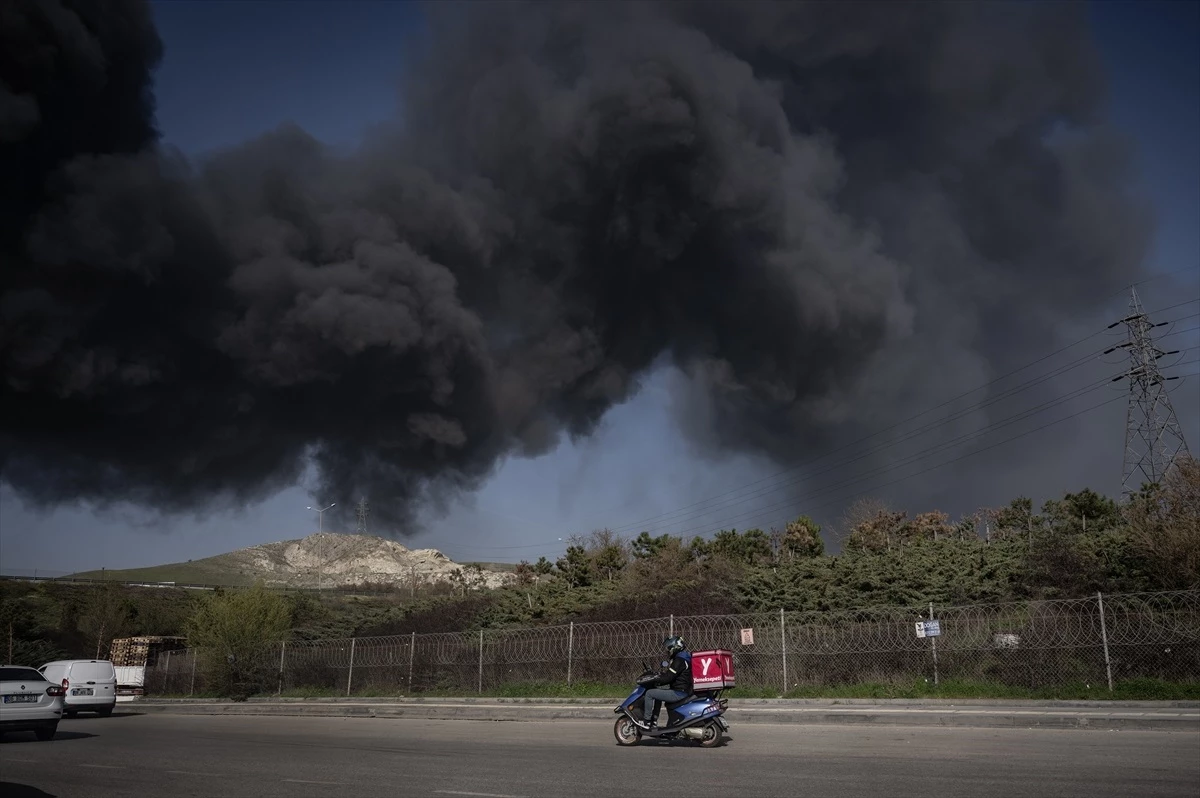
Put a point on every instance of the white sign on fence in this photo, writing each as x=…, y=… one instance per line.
x=929, y=628
x=747, y=637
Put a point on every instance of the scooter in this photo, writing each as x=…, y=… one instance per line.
x=697, y=717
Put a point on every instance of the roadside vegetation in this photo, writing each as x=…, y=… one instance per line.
x=1069, y=547
x=1131, y=690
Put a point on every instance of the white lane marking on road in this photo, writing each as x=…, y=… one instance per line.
x=306, y=781
x=14, y=759
x=106, y=767
x=190, y=773
x=481, y=794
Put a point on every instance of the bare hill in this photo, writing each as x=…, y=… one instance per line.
x=323, y=559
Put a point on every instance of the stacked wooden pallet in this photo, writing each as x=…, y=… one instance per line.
x=135, y=651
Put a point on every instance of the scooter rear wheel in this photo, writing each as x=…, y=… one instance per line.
x=626, y=732
x=712, y=736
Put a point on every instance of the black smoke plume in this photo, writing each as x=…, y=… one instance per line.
x=821, y=212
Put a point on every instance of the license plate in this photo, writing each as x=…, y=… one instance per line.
x=21, y=699
x=81, y=691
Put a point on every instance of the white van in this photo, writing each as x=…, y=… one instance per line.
x=90, y=684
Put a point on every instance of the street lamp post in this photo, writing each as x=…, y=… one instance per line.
x=321, y=540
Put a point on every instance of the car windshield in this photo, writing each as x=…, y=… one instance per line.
x=20, y=675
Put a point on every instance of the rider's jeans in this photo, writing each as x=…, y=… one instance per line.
x=659, y=694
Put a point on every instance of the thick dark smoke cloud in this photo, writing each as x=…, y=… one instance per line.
x=820, y=212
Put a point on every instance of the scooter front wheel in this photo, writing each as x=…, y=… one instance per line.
x=626, y=732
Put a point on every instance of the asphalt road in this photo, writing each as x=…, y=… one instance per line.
x=176, y=756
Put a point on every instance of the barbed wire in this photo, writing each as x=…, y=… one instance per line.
x=1026, y=643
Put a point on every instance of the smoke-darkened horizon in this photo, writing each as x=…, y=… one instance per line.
x=819, y=213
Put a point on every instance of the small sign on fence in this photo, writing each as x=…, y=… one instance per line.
x=929, y=628
x=747, y=637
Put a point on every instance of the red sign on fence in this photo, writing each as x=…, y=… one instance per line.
x=712, y=670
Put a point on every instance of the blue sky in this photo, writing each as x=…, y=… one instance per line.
x=235, y=69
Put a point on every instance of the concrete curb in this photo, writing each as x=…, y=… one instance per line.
x=1130, y=718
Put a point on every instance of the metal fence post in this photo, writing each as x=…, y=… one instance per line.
x=671, y=633
x=933, y=646
x=412, y=647
x=282, y=649
x=1002, y=623
x=783, y=640
x=570, y=651
x=1104, y=640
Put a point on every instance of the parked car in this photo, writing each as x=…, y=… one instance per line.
x=90, y=684
x=30, y=702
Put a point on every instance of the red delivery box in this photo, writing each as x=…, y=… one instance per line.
x=713, y=669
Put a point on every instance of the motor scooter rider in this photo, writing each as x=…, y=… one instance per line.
x=674, y=682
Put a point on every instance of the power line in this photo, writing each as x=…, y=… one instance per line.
x=905, y=437
x=803, y=500
x=894, y=426
x=921, y=454
x=1009, y=392
x=1151, y=279
x=719, y=500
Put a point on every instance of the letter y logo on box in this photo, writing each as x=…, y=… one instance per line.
x=705, y=663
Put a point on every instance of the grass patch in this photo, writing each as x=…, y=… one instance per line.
x=181, y=573
x=1132, y=690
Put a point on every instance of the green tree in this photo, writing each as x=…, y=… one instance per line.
x=801, y=539
x=236, y=632
x=609, y=562
x=750, y=548
x=645, y=546
x=669, y=567
x=1164, y=526
x=575, y=567
x=880, y=531
x=106, y=615
x=699, y=549
x=1086, y=511
x=607, y=552
x=525, y=573
x=1014, y=520
x=934, y=526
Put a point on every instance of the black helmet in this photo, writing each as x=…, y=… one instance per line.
x=674, y=645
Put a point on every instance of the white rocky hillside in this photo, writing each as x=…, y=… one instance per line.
x=333, y=560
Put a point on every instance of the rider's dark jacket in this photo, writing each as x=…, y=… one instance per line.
x=678, y=673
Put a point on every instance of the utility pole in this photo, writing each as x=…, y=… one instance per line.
x=1153, y=438
x=320, y=539
x=363, y=511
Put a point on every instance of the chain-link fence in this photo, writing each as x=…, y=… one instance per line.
x=1098, y=641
